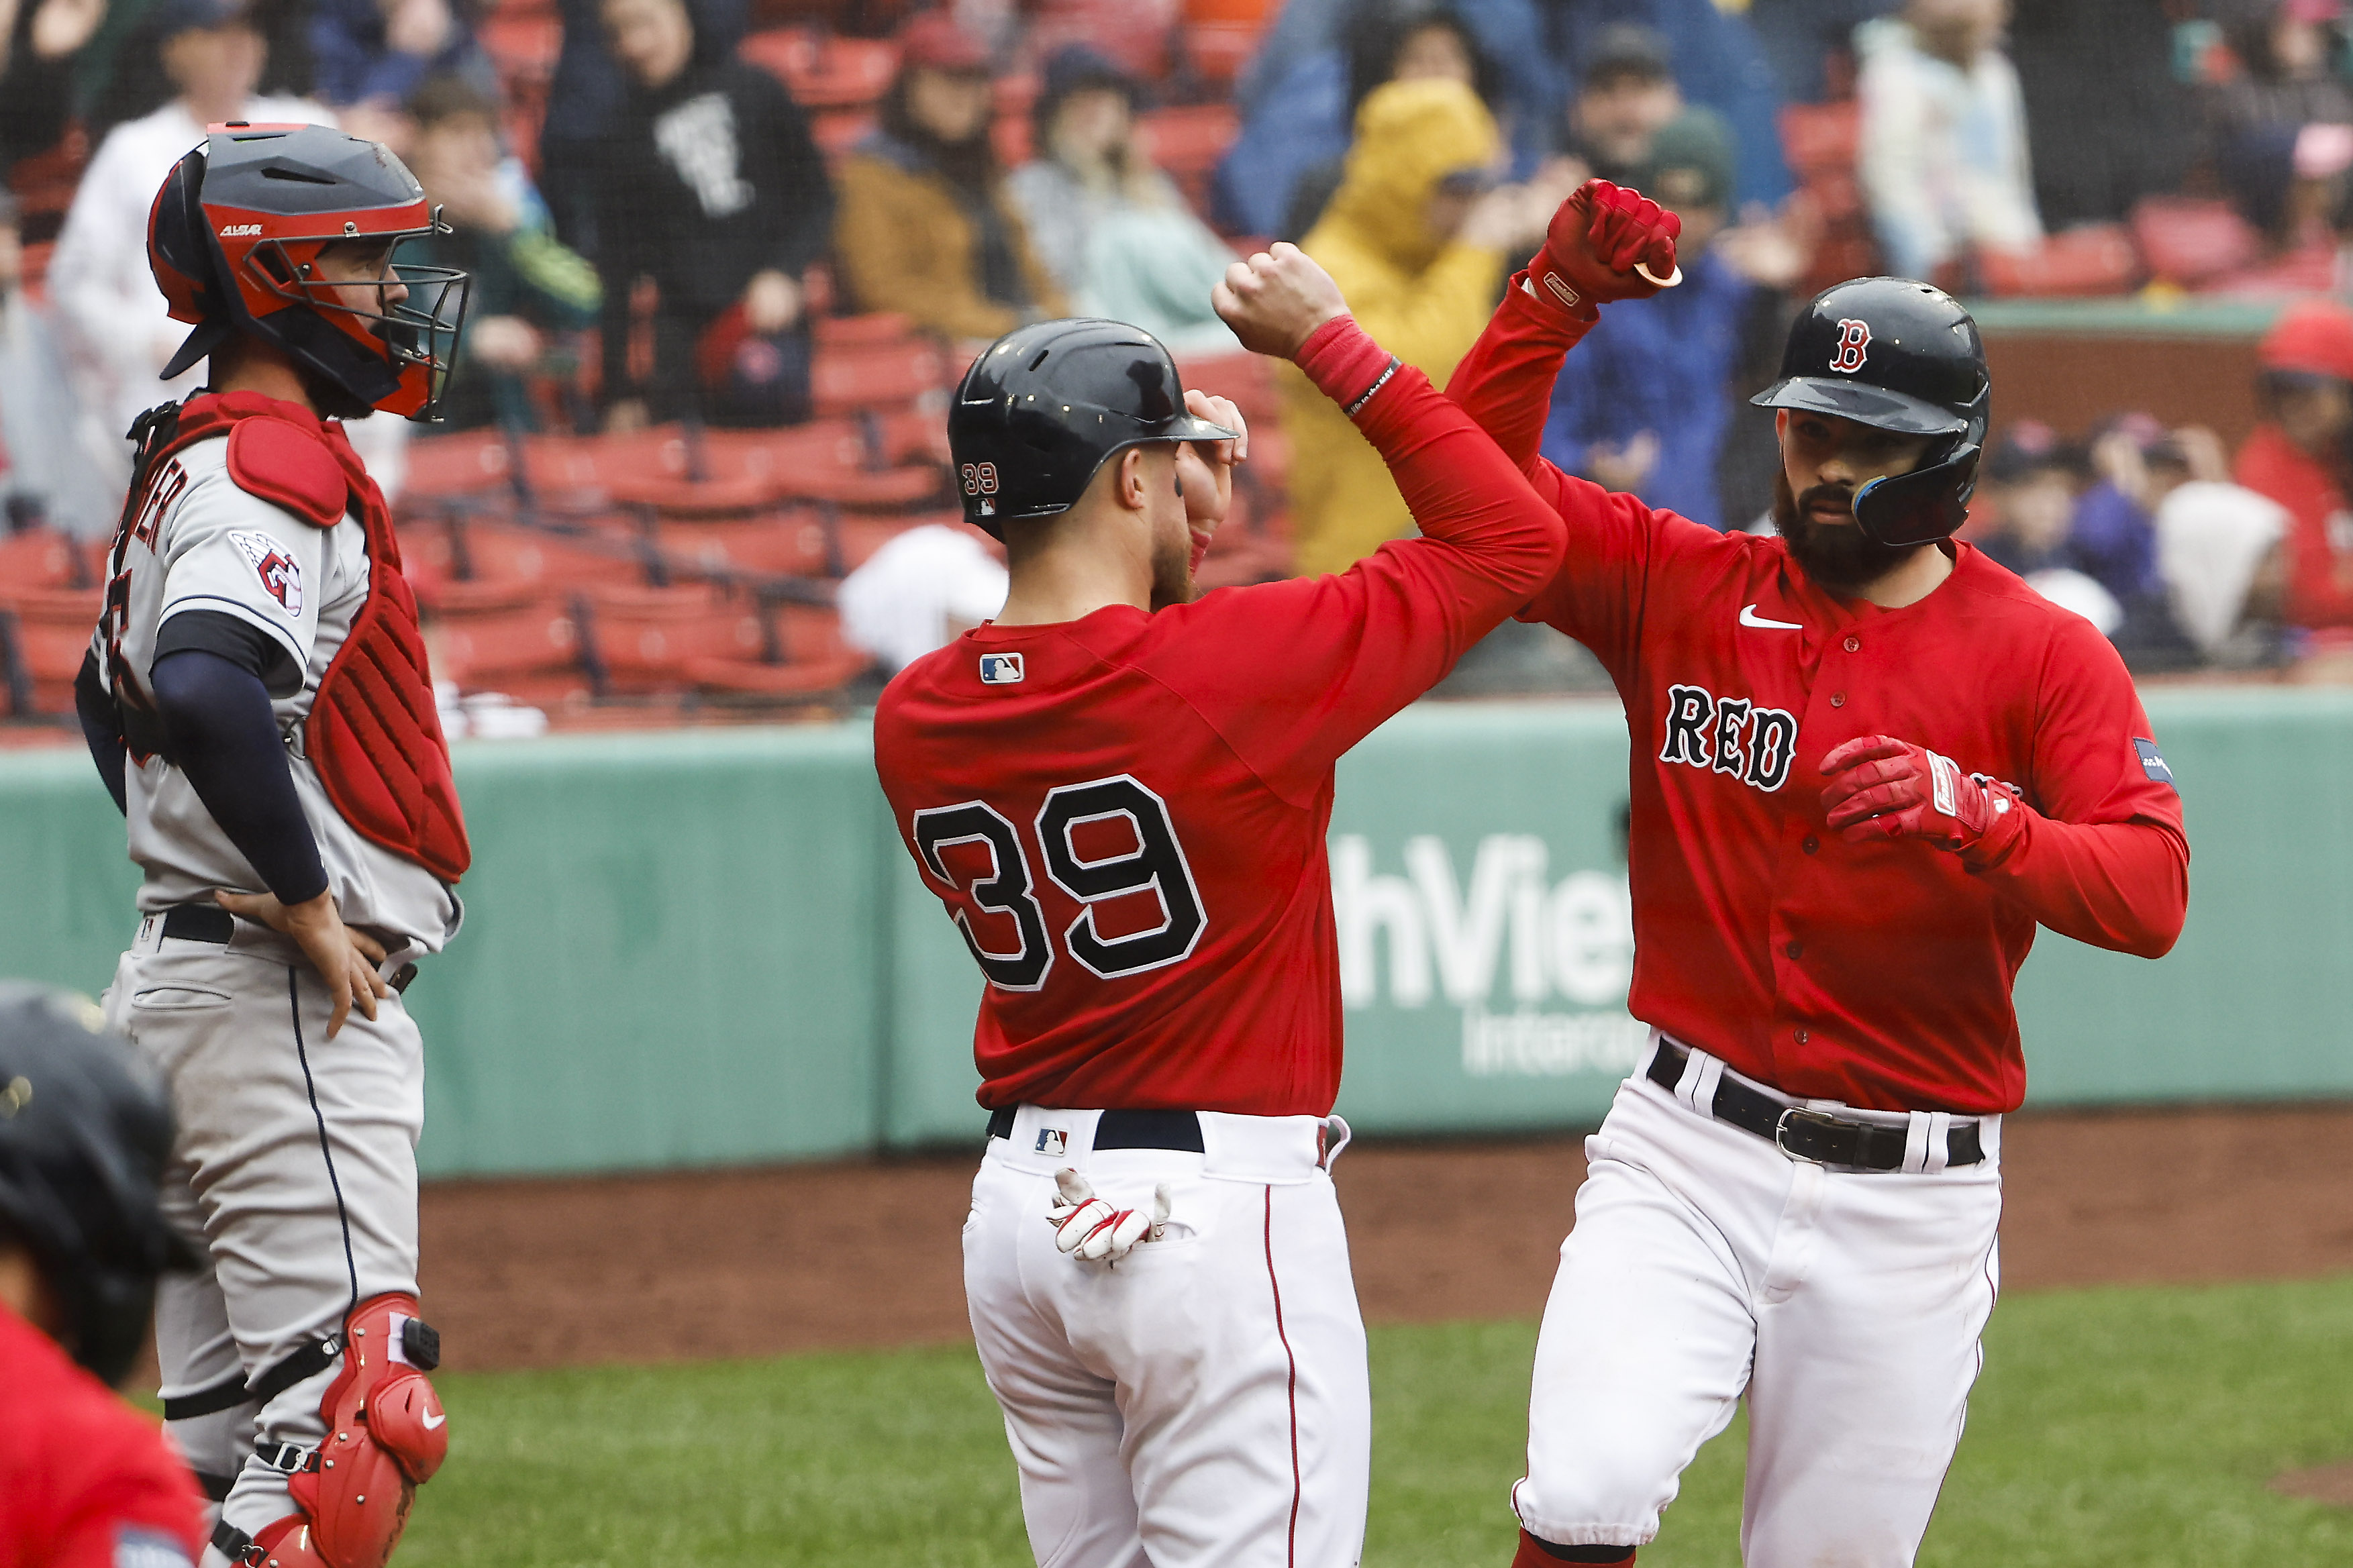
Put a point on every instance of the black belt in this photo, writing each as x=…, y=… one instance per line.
x=1178, y=1130
x=210, y=922
x=199, y=923
x=1810, y=1135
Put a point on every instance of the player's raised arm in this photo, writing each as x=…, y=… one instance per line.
x=1373, y=638
x=1606, y=242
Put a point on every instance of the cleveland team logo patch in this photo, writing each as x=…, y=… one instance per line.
x=1854, y=343
x=278, y=572
x=1001, y=669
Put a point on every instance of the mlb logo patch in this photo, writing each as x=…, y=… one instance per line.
x=1052, y=1142
x=2151, y=762
x=1001, y=669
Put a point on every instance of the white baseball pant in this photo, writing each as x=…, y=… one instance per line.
x=1204, y=1400
x=1706, y=1265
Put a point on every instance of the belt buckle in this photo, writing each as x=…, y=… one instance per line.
x=1799, y=1113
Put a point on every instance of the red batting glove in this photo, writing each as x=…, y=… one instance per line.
x=1596, y=239
x=1882, y=787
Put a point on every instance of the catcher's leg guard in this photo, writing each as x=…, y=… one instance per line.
x=386, y=1434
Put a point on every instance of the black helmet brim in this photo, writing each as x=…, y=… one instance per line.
x=1865, y=405
x=1186, y=428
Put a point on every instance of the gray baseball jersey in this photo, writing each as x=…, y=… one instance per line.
x=203, y=543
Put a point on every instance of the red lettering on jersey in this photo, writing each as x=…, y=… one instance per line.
x=160, y=495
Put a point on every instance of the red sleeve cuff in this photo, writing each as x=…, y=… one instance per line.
x=1346, y=365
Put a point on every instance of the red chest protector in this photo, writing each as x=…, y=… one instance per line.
x=374, y=732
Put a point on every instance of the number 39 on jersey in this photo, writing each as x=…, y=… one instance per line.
x=1106, y=844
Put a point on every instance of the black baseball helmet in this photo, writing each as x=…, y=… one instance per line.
x=85, y=1128
x=1044, y=405
x=233, y=239
x=1900, y=355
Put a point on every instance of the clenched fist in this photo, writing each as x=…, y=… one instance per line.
x=1882, y=787
x=1276, y=300
x=1597, y=239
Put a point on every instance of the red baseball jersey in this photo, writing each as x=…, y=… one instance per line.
x=85, y=1481
x=1875, y=974
x=1125, y=814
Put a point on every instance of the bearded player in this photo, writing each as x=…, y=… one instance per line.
x=1121, y=794
x=258, y=701
x=1867, y=763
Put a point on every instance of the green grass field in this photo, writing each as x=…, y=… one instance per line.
x=2123, y=1427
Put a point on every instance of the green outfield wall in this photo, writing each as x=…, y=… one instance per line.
x=708, y=947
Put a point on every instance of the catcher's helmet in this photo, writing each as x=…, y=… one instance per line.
x=1044, y=405
x=233, y=239
x=1899, y=355
x=85, y=1128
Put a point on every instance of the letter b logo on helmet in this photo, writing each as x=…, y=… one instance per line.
x=1854, y=340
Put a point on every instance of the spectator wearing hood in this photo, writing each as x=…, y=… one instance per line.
x=2297, y=455
x=1113, y=231
x=1322, y=59
x=1420, y=256
x=583, y=106
x=927, y=227
x=1945, y=167
x=1643, y=405
x=712, y=187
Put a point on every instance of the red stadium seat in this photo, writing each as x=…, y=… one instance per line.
x=744, y=678
x=643, y=636
x=883, y=376
x=838, y=132
x=2098, y=258
x=1188, y=141
x=792, y=544
x=2187, y=240
x=532, y=654
x=823, y=71
x=464, y=462
x=41, y=660
x=40, y=558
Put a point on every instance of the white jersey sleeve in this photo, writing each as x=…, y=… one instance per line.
x=229, y=551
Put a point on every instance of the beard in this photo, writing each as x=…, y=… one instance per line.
x=1834, y=554
x=1172, y=572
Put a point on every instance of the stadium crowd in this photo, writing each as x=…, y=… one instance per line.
x=728, y=256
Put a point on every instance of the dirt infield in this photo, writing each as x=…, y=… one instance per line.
x=549, y=1272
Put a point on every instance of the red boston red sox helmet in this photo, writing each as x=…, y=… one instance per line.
x=234, y=239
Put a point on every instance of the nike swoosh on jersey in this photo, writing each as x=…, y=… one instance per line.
x=1749, y=618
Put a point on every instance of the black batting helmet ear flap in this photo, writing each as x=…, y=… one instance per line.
x=1902, y=355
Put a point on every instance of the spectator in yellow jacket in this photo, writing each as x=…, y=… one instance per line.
x=1416, y=240
x=925, y=226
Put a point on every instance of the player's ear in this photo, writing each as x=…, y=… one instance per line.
x=1133, y=481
